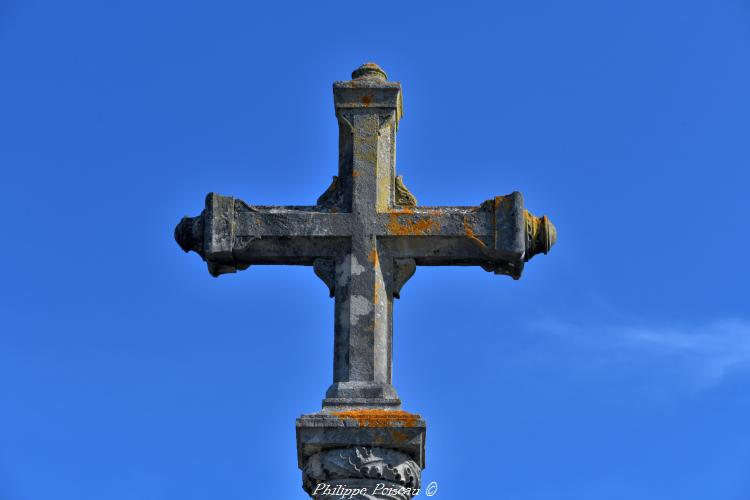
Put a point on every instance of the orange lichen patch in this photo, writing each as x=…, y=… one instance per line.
x=403, y=211
x=470, y=234
x=366, y=100
x=355, y=173
x=380, y=418
x=420, y=227
x=373, y=257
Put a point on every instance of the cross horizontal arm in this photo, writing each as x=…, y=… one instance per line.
x=499, y=235
x=230, y=234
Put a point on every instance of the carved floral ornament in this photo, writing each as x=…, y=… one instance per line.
x=362, y=467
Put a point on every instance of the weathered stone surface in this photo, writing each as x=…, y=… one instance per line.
x=364, y=238
x=367, y=473
x=372, y=427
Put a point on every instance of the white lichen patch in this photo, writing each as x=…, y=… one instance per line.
x=356, y=267
x=359, y=306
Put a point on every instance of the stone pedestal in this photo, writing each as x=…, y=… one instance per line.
x=361, y=454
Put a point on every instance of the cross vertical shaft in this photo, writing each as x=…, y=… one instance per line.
x=367, y=109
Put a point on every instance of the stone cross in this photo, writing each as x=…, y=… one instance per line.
x=364, y=238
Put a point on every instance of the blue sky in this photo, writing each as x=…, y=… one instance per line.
x=616, y=368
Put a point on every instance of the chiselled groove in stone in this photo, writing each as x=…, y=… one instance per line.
x=348, y=127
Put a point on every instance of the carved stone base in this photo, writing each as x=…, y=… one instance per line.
x=361, y=473
x=364, y=453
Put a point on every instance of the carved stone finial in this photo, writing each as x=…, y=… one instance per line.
x=189, y=234
x=369, y=71
x=541, y=234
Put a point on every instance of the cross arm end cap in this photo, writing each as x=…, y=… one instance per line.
x=189, y=234
x=541, y=234
x=211, y=235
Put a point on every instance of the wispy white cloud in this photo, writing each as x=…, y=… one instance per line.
x=705, y=354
